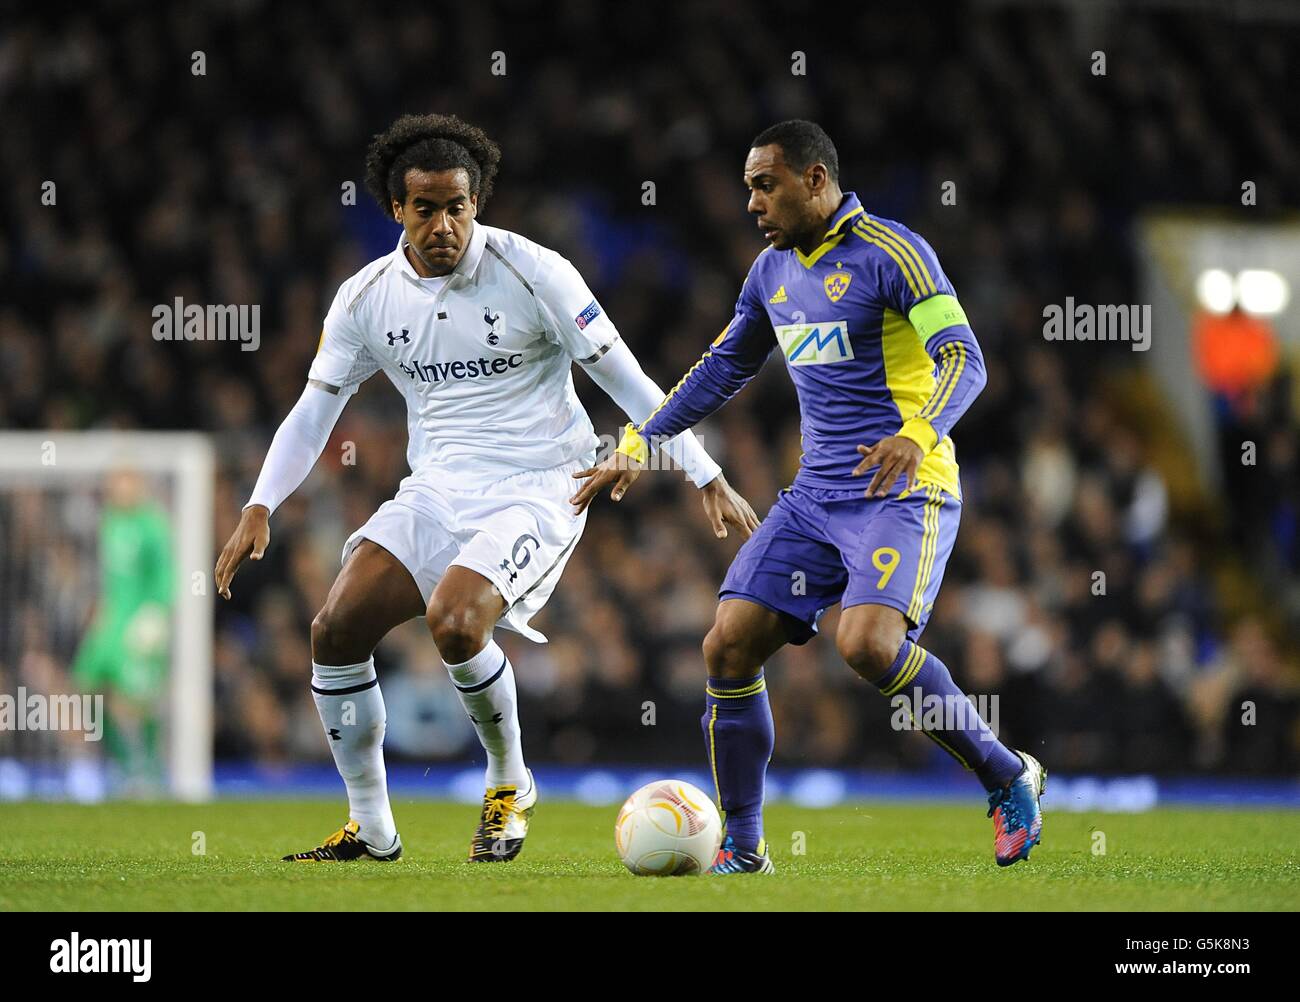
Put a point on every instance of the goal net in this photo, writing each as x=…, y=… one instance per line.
x=105, y=615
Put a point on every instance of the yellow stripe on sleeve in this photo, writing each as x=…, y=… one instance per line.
x=912, y=254
x=716, y=341
x=892, y=252
x=957, y=362
x=946, y=365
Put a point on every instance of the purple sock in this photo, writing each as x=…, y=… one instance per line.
x=951, y=721
x=739, y=736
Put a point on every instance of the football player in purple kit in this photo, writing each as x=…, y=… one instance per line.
x=884, y=364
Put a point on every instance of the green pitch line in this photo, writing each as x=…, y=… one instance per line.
x=139, y=856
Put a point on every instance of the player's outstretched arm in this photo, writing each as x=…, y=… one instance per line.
x=297, y=445
x=618, y=373
x=721, y=503
x=730, y=362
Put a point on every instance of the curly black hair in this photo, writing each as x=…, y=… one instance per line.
x=431, y=143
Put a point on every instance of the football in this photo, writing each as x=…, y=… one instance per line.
x=668, y=828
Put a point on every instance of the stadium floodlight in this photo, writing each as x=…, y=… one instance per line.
x=58, y=512
x=1216, y=291
x=1262, y=291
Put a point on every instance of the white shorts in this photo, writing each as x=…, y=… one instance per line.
x=517, y=532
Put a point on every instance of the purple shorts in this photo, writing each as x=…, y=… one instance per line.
x=819, y=547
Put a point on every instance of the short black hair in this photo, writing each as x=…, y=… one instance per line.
x=430, y=143
x=803, y=143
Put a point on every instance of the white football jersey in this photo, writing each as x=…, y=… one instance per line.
x=482, y=356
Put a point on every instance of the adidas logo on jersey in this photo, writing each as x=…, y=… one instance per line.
x=445, y=372
x=779, y=296
x=815, y=344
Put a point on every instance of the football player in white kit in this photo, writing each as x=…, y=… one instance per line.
x=477, y=327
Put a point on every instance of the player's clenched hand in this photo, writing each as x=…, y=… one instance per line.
x=619, y=469
x=249, y=539
x=724, y=506
x=895, y=455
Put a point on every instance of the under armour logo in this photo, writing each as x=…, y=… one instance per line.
x=404, y=337
x=496, y=718
x=335, y=735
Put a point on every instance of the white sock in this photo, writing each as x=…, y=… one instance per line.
x=486, y=686
x=352, y=712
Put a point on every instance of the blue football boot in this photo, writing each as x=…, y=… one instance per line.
x=1017, y=816
x=733, y=860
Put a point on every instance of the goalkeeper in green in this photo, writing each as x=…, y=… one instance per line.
x=125, y=653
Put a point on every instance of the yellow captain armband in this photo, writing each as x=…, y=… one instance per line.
x=920, y=431
x=633, y=445
x=938, y=313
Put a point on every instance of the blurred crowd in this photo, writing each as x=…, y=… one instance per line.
x=1077, y=592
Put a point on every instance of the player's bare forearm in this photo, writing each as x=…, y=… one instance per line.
x=249, y=539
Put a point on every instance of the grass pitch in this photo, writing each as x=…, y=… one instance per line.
x=126, y=857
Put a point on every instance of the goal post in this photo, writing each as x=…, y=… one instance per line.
x=59, y=479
